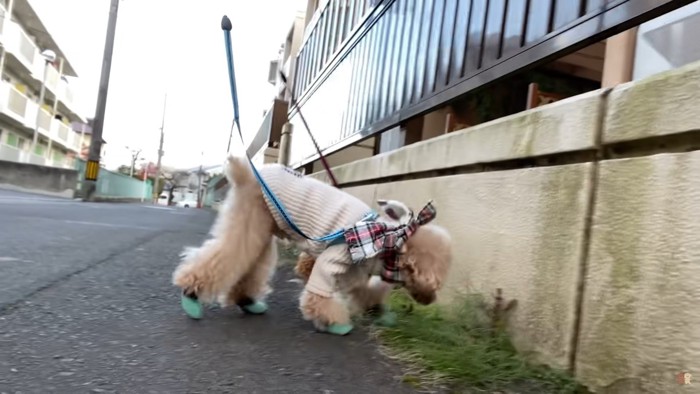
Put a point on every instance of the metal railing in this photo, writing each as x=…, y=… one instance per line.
x=326, y=33
x=17, y=102
x=398, y=59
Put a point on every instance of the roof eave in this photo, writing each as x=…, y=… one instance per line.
x=24, y=12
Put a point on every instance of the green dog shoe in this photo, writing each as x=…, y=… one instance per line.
x=255, y=308
x=387, y=319
x=339, y=329
x=192, y=307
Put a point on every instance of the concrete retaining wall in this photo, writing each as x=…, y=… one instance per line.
x=587, y=211
x=34, y=178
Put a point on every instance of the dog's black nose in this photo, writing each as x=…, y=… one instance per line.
x=424, y=298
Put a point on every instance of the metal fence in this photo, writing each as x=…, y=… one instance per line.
x=216, y=191
x=112, y=185
x=368, y=66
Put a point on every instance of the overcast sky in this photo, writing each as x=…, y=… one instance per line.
x=177, y=47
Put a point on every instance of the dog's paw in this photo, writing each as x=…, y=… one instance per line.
x=187, y=282
x=255, y=308
x=339, y=329
x=191, y=305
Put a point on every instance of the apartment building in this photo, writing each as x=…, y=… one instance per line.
x=84, y=139
x=264, y=147
x=37, y=107
x=371, y=76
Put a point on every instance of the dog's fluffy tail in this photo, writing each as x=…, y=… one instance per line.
x=239, y=171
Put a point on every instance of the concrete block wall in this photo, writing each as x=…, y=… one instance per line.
x=51, y=181
x=587, y=211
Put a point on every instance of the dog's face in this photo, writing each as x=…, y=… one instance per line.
x=426, y=257
x=425, y=261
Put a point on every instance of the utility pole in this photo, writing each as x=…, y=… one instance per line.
x=92, y=167
x=160, y=150
x=285, y=144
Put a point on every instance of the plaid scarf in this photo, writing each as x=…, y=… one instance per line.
x=370, y=238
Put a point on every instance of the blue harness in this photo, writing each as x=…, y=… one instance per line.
x=334, y=237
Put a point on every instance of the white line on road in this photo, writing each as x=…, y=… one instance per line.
x=13, y=259
x=36, y=202
x=108, y=225
x=19, y=198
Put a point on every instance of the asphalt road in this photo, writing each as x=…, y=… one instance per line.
x=86, y=306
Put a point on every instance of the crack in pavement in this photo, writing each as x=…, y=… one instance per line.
x=6, y=308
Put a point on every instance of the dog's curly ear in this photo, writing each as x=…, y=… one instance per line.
x=395, y=210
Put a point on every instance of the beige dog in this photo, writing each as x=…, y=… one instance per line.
x=236, y=264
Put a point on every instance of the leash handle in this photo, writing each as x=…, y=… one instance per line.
x=226, y=27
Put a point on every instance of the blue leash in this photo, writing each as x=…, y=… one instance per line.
x=337, y=235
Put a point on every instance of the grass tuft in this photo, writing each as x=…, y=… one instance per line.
x=288, y=252
x=458, y=347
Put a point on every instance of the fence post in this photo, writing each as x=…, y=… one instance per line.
x=285, y=144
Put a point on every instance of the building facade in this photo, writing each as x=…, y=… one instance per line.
x=372, y=76
x=37, y=108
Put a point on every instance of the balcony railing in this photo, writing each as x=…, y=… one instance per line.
x=270, y=129
x=16, y=101
x=19, y=44
x=65, y=93
x=24, y=111
x=403, y=58
x=26, y=47
x=62, y=133
x=9, y=153
x=45, y=121
x=52, y=79
x=326, y=33
x=75, y=141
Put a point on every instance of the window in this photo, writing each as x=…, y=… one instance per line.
x=58, y=156
x=12, y=140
